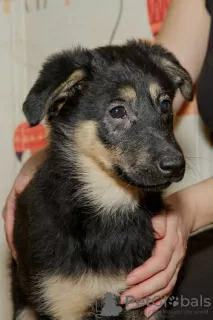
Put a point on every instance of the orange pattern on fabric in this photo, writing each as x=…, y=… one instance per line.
x=157, y=10
x=189, y=108
x=29, y=138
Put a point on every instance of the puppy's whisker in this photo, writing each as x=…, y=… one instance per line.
x=198, y=158
x=192, y=170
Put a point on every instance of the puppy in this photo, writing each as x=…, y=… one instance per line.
x=84, y=221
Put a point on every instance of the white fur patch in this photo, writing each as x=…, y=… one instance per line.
x=104, y=191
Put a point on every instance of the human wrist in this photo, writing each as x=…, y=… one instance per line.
x=189, y=211
x=195, y=204
x=203, y=203
x=182, y=203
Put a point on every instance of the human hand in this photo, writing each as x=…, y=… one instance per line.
x=156, y=278
x=25, y=175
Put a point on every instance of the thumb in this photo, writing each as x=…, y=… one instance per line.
x=159, y=225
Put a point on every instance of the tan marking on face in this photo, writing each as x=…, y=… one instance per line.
x=70, y=298
x=101, y=185
x=154, y=89
x=128, y=93
x=90, y=145
x=27, y=314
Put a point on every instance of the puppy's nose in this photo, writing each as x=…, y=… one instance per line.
x=172, y=165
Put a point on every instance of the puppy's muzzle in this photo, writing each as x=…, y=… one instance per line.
x=172, y=166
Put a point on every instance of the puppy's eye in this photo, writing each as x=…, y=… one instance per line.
x=165, y=104
x=118, y=112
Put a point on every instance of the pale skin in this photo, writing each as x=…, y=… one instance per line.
x=23, y=178
x=193, y=206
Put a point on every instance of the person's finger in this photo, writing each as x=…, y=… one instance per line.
x=22, y=181
x=166, y=291
x=158, y=282
x=161, y=256
x=4, y=211
x=142, y=302
x=149, y=311
x=157, y=295
x=10, y=202
x=146, y=288
x=8, y=226
x=159, y=261
x=159, y=225
x=8, y=214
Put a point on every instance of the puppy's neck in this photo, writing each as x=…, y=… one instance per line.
x=106, y=192
x=89, y=162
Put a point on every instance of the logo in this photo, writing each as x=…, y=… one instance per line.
x=108, y=308
x=173, y=301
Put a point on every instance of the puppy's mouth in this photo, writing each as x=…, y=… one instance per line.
x=156, y=187
x=145, y=186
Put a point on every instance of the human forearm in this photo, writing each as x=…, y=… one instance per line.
x=202, y=193
x=185, y=32
x=195, y=203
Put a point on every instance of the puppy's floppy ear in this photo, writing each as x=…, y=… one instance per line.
x=168, y=63
x=180, y=77
x=57, y=81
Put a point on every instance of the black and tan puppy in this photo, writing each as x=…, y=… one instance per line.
x=84, y=222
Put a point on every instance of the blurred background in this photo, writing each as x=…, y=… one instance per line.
x=30, y=30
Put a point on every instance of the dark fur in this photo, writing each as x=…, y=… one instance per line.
x=57, y=230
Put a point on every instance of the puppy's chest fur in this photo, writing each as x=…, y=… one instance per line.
x=78, y=253
x=98, y=264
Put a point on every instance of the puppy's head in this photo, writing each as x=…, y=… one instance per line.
x=114, y=106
